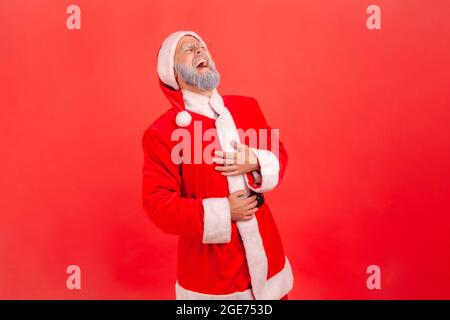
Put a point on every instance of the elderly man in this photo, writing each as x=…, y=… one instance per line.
x=208, y=188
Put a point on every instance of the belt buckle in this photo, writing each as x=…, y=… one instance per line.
x=259, y=198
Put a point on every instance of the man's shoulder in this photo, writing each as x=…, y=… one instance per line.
x=162, y=126
x=238, y=99
x=240, y=103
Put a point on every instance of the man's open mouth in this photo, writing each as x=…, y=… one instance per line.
x=201, y=64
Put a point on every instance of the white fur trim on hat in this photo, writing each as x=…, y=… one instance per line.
x=183, y=118
x=166, y=56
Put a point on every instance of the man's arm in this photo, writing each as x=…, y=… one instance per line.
x=208, y=219
x=272, y=158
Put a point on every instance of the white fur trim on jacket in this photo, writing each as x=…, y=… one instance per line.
x=276, y=287
x=216, y=220
x=248, y=229
x=270, y=169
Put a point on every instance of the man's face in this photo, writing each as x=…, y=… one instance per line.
x=193, y=63
x=191, y=52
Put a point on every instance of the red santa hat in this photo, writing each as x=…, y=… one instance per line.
x=166, y=68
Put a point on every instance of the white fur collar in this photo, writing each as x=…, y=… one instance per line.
x=198, y=103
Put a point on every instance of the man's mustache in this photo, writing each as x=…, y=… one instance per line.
x=202, y=56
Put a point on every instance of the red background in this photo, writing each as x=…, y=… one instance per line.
x=363, y=113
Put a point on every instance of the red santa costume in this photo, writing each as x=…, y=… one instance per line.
x=217, y=258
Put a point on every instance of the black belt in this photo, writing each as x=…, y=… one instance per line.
x=259, y=198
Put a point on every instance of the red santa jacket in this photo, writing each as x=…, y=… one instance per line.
x=217, y=258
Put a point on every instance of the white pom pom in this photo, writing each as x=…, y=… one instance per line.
x=183, y=118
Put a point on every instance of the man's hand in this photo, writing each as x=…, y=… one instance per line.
x=242, y=208
x=239, y=162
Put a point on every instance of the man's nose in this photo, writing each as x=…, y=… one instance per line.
x=199, y=50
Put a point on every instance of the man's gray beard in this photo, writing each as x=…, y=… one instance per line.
x=206, y=81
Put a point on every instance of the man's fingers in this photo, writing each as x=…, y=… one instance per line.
x=246, y=214
x=248, y=200
x=231, y=173
x=226, y=168
x=225, y=155
x=238, y=146
x=250, y=214
x=224, y=161
x=248, y=217
x=251, y=205
x=238, y=193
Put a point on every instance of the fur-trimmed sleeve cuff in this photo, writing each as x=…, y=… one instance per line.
x=217, y=220
x=267, y=178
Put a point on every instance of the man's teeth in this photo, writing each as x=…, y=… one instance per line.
x=202, y=63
